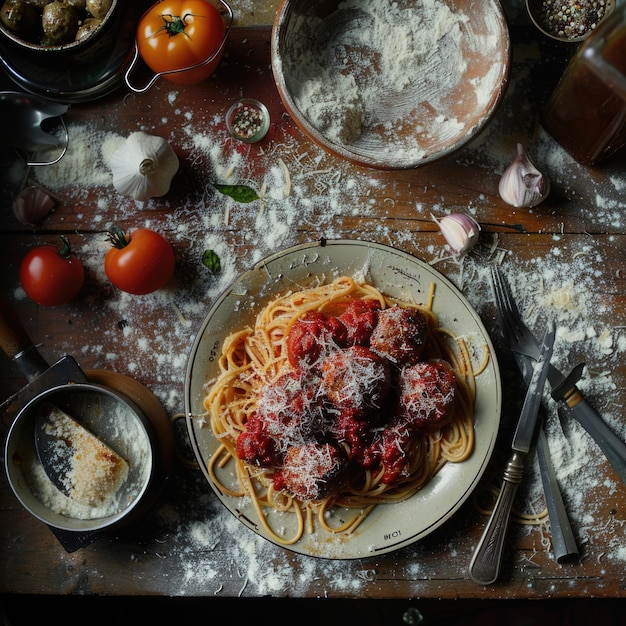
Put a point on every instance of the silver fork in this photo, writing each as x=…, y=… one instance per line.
x=521, y=340
x=516, y=333
x=564, y=388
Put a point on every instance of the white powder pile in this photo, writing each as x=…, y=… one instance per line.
x=373, y=61
x=94, y=492
x=91, y=472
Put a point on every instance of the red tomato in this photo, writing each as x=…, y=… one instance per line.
x=52, y=275
x=174, y=34
x=140, y=262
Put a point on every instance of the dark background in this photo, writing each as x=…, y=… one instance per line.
x=22, y=610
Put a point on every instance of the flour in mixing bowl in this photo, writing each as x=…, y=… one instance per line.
x=371, y=62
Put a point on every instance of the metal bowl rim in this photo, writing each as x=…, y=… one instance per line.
x=57, y=520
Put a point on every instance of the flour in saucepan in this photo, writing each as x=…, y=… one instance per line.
x=131, y=443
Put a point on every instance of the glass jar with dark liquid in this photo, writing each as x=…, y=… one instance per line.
x=586, y=113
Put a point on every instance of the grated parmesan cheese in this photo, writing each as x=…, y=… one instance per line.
x=95, y=471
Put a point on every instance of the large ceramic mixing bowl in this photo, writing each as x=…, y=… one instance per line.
x=391, y=85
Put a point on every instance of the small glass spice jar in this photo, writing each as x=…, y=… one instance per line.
x=586, y=113
x=248, y=120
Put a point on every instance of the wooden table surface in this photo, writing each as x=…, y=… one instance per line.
x=565, y=259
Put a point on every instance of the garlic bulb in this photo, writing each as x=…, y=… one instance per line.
x=522, y=184
x=460, y=231
x=32, y=205
x=143, y=166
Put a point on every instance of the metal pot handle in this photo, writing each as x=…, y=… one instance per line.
x=66, y=140
x=228, y=15
x=16, y=343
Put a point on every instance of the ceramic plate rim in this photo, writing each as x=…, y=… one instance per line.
x=333, y=257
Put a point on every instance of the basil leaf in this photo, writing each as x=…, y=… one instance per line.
x=211, y=261
x=241, y=193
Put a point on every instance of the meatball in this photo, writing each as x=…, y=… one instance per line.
x=359, y=318
x=21, y=18
x=292, y=409
x=60, y=23
x=311, y=471
x=356, y=378
x=394, y=448
x=311, y=337
x=426, y=395
x=399, y=335
x=255, y=445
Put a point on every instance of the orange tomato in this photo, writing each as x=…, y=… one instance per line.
x=177, y=34
x=139, y=262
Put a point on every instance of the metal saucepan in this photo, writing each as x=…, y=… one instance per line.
x=113, y=419
x=121, y=412
x=82, y=51
x=25, y=116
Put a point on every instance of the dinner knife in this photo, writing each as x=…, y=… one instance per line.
x=564, y=390
x=484, y=567
x=563, y=539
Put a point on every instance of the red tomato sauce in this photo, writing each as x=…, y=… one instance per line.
x=357, y=397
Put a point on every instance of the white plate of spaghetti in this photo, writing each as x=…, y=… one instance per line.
x=343, y=399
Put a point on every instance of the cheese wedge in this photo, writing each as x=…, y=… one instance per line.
x=90, y=471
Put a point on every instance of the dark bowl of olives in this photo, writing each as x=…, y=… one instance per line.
x=77, y=30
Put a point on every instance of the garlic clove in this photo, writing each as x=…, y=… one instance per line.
x=32, y=204
x=522, y=184
x=143, y=166
x=460, y=231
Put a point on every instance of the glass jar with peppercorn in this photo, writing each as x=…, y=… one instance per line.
x=248, y=120
x=586, y=113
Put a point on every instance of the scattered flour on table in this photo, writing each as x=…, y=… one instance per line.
x=563, y=283
x=207, y=220
x=206, y=549
x=569, y=292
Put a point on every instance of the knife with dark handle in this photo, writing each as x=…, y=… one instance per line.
x=564, y=390
x=484, y=567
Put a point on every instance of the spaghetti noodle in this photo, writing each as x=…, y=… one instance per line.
x=258, y=373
